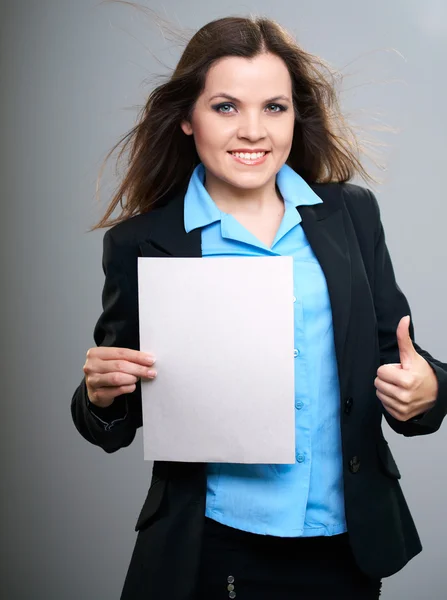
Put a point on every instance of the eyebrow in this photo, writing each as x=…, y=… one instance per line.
x=233, y=99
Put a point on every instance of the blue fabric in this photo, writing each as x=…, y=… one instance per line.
x=304, y=498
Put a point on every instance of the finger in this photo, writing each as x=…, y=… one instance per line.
x=394, y=374
x=97, y=381
x=389, y=389
x=399, y=411
x=388, y=407
x=103, y=396
x=406, y=348
x=114, y=353
x=119, y=366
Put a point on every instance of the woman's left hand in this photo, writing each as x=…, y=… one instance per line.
x=409, y=388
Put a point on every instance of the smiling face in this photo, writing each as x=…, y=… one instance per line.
x=243, y=122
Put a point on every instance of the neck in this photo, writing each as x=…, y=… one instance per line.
x=232, y=200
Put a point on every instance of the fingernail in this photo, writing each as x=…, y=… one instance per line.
x=152, y=373
x=150, y=359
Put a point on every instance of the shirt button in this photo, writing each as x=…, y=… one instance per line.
x=299, y=405
x=300, y=458
x=296, y=352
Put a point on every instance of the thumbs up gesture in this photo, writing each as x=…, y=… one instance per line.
x=409, y=388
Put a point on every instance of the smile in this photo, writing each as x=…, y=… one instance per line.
x=249, y=158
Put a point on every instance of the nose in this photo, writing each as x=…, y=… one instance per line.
x=251, y=127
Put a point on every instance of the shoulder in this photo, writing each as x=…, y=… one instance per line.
x=358, y=199
x=363, y=207
x=347, y=192
x=121, y=242
x=358, y=196
x=133, y=230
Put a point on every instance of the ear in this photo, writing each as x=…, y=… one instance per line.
x=186, y=127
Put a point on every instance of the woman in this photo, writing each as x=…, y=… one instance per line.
x=244, y=152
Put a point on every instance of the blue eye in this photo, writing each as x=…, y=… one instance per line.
x=279, y=107
x=221, y=108
x=226, y=108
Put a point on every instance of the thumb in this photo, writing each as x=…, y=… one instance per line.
x=406, y=348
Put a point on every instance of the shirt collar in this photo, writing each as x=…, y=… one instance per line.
x=200, y=209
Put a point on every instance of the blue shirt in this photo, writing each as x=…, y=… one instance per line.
x=304, y=498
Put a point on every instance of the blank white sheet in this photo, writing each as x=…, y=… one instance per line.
x=223, y=336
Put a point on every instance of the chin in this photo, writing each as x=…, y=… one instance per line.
x=250, y=182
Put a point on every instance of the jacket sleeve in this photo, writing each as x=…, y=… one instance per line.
x=113, y=427
x=391, y=305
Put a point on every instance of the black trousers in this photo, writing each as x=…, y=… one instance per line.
x=246, y=566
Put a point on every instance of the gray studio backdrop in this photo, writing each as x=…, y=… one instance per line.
x=71, y=80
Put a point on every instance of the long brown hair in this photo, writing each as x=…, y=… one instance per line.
x=161, y=158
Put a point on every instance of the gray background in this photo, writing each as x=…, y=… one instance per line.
x=71, y=76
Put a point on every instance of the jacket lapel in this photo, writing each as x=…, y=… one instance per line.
x=324, y=228
x=168, y=237
x=322, y=224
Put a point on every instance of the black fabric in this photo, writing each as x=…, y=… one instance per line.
x=346, y=234
x=256, y=567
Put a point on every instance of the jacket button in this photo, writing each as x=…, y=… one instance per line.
x=354, y=464
x=348, y=405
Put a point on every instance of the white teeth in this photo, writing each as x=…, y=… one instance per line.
x=248, y=156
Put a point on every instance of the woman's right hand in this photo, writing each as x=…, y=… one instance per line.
x=111, y=372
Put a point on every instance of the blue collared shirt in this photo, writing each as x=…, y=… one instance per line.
x=305, y=498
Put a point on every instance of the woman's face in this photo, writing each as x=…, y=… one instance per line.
x=243, y=121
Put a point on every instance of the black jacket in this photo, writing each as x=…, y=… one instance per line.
x=346, y=234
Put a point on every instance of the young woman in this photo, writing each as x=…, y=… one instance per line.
x=244, y=152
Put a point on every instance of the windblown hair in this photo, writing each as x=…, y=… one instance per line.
x=160, y=157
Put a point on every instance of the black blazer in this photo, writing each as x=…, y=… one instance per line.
x=346, y=234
